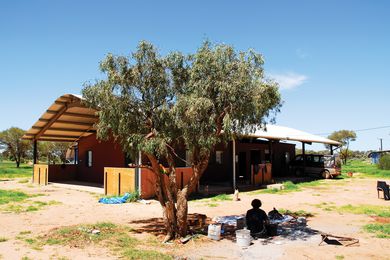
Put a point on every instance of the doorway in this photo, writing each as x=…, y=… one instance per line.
x=242, y=168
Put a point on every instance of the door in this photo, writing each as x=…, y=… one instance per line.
x=242, y=169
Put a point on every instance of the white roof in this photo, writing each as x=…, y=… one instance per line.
x=276, y=132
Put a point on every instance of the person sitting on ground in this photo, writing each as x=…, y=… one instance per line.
x=256, y=219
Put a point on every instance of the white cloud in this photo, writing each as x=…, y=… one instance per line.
x=289, y=80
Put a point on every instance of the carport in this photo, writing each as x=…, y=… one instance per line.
x=278, y=133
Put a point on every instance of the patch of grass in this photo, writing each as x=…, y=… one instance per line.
x=7, y=196
x=290, y=186
x=298, y=213
x=8, y=170
x=28, y=206
x=197, y=197
x=212, y=205
x=221, y=197
x=362, y=209
x=27, y=232
x=365, y=169
x=132, y=253
x=371, y=210
x=380, y=230
x=117, y=237
x=327, y=206
x=3, y=239
x=339, y=257
x=23, y=180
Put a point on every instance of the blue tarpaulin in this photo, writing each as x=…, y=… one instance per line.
x=115, y=200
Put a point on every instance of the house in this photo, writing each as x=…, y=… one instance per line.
x=376, y=155
x=252, y=159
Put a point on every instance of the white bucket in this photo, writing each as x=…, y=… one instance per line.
x=214, y=232
x=243, y=237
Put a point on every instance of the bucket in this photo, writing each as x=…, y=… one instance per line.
x=243, y=237
x=214, y=232
x=272, y=229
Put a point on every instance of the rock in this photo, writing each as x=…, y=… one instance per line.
x=277, y=186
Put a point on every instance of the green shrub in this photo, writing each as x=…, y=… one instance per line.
x=384, y=162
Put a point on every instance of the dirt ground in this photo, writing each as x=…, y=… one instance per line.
x=81, y=207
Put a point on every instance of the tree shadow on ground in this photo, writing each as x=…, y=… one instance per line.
x=153, y=226
x=156, y=226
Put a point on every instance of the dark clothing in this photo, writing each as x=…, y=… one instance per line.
x=255, y=220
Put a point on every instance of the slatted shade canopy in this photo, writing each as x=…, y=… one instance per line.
x=66, y=120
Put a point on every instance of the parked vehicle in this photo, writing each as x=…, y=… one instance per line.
x=325, y=166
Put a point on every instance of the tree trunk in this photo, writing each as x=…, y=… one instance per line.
x=182, y=195
x=17, y=163
x=174, y=201
x=166, y=196
x=170, y=220
x=182, y=212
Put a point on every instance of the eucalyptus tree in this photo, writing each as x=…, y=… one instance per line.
x=159, y=105
x=15, y=147
x=344, y=137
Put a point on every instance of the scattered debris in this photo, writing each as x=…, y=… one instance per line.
x=95, y=231
x=338, y=240
x=185, y=239
x=277, y=186
x=115, y=200
x=145, y=202
x=238, y=221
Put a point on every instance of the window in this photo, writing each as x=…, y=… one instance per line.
x=188, y=158
x=218, y=157
x=89, y=158
x=287, y=157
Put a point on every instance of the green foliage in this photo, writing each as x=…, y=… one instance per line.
x=11, y=140
x=344, y=137
x=152, y=103
x=3, y=239
x=9, y=170
x=365, y=169
x=157, y=104
x=384, y=162
x=52, y=152
x=381, y=230
x=7, y=196
x=134, y=196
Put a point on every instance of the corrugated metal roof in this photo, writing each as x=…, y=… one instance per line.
x=276, y=132
x=66, y=120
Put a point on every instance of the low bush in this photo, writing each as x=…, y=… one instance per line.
x=384, y=162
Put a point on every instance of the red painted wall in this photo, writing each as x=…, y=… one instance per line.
x=148, y=180
x=104, y=154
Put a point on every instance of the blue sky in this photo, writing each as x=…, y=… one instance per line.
x=330, y=57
